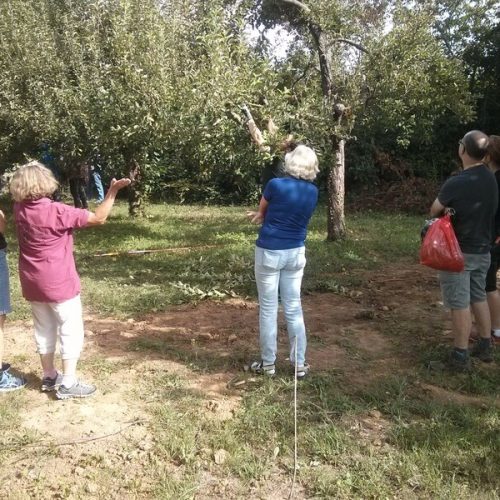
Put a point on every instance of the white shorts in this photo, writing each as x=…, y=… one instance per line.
x=62, y=320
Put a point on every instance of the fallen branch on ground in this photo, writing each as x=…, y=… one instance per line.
x=154, y=250
x=70, y=443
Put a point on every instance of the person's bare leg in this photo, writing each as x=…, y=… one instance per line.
x=49, y=369
x=494, y=306
x=461, y=323
x=483, y=320
x=271, y=127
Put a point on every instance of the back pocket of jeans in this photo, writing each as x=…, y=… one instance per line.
x=300, y=261
x=270, y=259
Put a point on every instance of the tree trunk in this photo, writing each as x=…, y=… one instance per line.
x=336, y=220
x=136, y=190
x=336, y=189
x=335, y=216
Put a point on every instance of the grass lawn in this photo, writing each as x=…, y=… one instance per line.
x=215, y=259
x=385, y=437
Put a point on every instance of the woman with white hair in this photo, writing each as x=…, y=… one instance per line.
x=284, y=212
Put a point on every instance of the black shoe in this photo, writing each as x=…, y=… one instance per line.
x=453, y=363
x=51, y=384
x=483, y=350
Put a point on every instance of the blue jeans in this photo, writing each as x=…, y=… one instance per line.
x=280, y=271
x=95, y=180
x=4, y=284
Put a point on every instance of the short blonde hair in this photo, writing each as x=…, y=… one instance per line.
x=32, y=182
x=302, y=163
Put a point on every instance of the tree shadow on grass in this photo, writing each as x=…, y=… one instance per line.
x=171, y=234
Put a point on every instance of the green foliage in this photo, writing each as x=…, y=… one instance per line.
x=470, y=32
x=160, y=86
x=161, y=83
x=413, y=83
x=402, y=92
x=454, y=89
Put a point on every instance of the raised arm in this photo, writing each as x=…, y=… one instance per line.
x=103, y=210
x=255, y=132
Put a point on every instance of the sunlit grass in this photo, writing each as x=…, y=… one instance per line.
x=207, y=252
x=425, y=448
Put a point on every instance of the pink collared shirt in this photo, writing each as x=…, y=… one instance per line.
x=46, y=264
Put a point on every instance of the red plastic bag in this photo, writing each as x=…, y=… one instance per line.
x=440, y=249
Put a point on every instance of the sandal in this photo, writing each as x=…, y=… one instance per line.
x=260, y=368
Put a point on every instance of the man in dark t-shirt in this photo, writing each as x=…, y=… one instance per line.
x=472, y=196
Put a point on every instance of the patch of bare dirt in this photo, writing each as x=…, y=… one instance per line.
x=371, y=428
x=366, y=333
x=445, y=396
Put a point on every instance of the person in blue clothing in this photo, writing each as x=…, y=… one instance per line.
x=48, y=159
x=95, y=180
x=284, y=211
x=8, y=381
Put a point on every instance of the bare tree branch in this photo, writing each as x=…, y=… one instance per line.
x=324, y=59
x=298, y=4
x=303, y=75
x=353, y=43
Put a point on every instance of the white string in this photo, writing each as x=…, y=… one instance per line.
x=295, y=455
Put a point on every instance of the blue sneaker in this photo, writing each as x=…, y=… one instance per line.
x=9, y=382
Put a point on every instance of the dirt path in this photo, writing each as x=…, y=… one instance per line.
x=358, y=332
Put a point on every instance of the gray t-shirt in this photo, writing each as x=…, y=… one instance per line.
x=473, y=195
